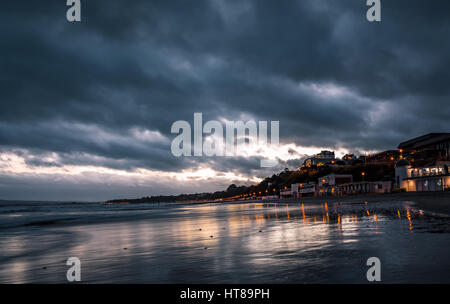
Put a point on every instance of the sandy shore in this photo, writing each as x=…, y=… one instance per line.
x=438, y=202
x=236, y=242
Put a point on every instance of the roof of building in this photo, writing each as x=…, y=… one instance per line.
x=424, y=140
x=402, y=163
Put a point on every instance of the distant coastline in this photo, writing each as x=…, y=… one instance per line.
x=436, y=202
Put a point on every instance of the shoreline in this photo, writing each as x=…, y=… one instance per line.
x=436, y=202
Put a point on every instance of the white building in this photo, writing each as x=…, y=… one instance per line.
x=328, y=185
x=428, y=178
x=295, y=189
x=335, y=179
x=365, y=187
x=299, y=190
x=323, y=158
x=307, y=189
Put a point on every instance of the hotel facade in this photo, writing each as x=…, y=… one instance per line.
x=434, y=177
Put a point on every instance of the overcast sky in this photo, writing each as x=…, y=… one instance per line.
x=87, y=107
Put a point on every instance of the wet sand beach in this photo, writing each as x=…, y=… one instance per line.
x=291, y=241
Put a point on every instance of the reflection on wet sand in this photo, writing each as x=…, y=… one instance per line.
x=215, y=243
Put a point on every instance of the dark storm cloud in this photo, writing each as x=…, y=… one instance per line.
x=331, y=78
